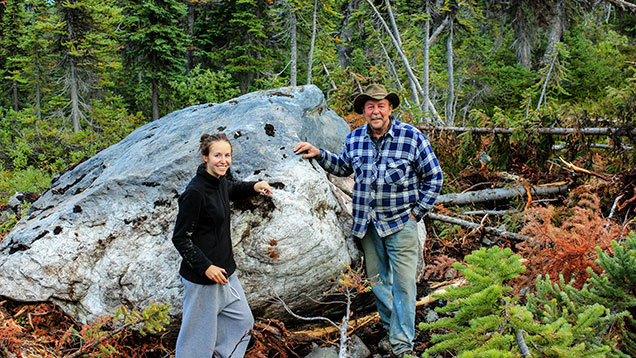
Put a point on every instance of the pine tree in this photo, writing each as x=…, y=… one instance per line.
x=35, y=56
x=485, y=322
x=155, y=43
x=85, y=46
x=247, y=50
x=14, y=20
x=615, y=288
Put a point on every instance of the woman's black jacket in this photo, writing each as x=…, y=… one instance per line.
x=202, y=231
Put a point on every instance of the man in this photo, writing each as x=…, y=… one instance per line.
x=397, y=179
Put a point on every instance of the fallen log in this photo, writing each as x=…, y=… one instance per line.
x=490, y=230
x=556, y=131
x=319, y=333
x=594, y=145
x=480, y=196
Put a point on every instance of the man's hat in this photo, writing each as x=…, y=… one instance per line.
x=377, y=92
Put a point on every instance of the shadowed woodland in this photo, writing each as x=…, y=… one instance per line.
x=530, y=107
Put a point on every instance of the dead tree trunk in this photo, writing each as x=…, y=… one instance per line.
x=310, y=60
x=487, y=229
x=294, y=50
x=480, y=196
x=555, y=131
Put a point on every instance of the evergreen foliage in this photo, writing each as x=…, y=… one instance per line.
x=615, y=288
x=485, y=321
x=155, y=43
x=85, y=45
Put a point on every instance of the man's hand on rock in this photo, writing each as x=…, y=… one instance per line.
x=310, y=150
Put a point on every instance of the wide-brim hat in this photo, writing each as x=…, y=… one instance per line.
x=377, y=92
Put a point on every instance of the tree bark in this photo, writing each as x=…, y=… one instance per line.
x=38, y=83
x=624, y=5
x=480, y=196
x=522, y=36
x=489, y=230
x=555, y=131
x=313, y=42
x=413, y=82
x=391, y=66
x=155, y=99
x=450, y=115
x=294, y=50
x=346, y=34
x=437, y=31
x=396, y=32
x=557, y=26
x=427, y=32
x=190, y=16
x=75, y=110
x=14, y=95
x=545, y=82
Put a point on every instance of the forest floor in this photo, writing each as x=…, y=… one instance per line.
x=42, y=330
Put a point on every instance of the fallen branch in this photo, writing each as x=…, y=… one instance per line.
x=557, y=131
x=582, y=170
x=487, y=229
x=318, y=333
x=623, y=5
x=595, y=145
x=489, y=212
x=479, y=196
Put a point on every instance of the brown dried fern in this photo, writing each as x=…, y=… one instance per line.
x=564, y=240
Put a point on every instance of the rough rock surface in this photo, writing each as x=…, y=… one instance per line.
x=101, y=235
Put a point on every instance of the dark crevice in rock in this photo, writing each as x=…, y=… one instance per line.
x=162, y=202
x=270, y=130
x=18, y=248
x=61, y=191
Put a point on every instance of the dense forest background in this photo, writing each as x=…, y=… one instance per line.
x=79, y=75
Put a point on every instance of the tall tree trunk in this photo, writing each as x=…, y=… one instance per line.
x=14, y=95
x=155, y=99
x=415, y=98
x=294, y=51
x=190, y=15
x=346, y=34
x=38, y=83
x=522, y=36
x=450, y=115
x=391, y=66
x=396, y=32
x=409, y=71
x=557, y=27
x=75, y=110
x=313, y=43
x=427, y=32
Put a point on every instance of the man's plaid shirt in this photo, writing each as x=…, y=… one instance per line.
x=398, y=177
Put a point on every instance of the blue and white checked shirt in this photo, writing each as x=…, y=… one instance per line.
x=399, y=178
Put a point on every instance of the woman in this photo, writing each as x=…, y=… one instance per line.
x=216, y=316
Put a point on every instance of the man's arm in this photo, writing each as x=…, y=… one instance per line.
x=339, y=165
x=430, y=178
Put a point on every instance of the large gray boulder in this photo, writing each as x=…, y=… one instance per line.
x=101, y=235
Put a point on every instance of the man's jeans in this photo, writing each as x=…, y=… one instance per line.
x=394, y=260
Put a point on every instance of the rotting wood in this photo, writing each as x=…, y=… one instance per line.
x=321, y=332
x=479, y=196
x=555, y=131
x=489, y=230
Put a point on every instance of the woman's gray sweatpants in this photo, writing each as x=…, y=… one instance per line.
x=216, y=320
